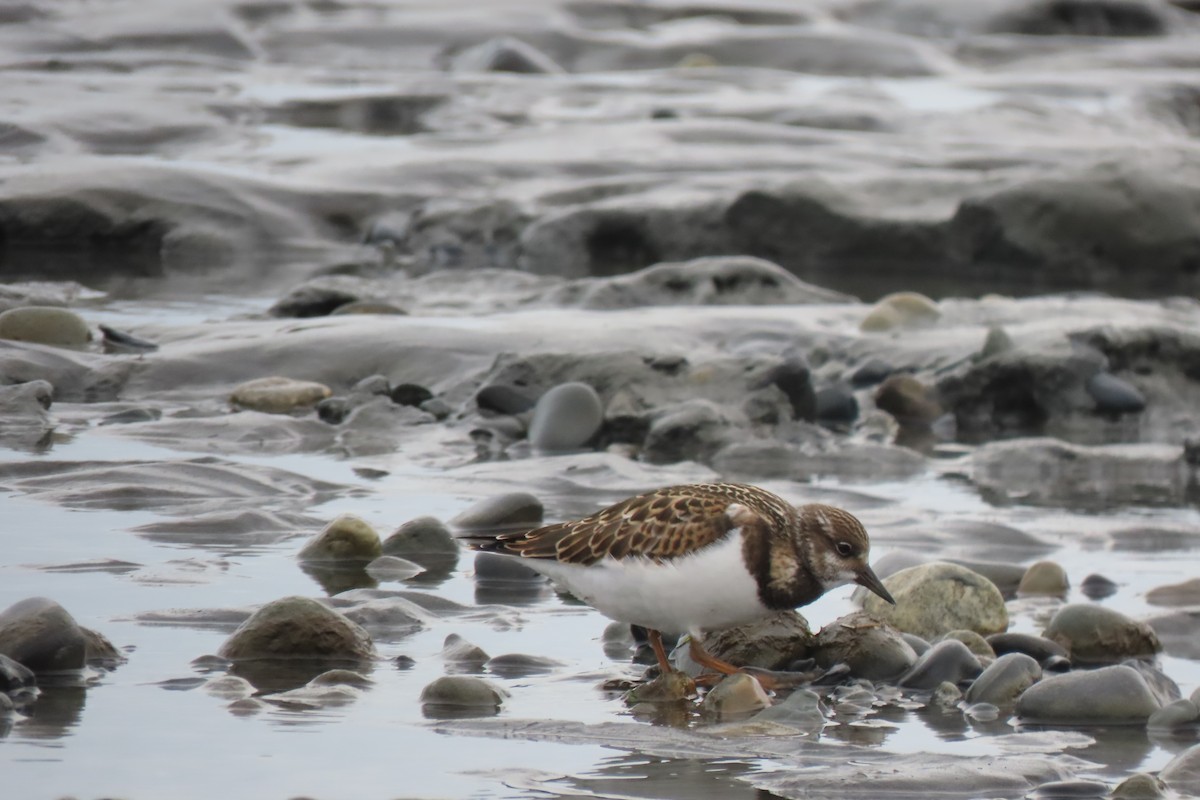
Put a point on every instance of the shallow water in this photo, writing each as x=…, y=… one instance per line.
x=147, y=729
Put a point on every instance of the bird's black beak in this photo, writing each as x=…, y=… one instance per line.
x=869, y=579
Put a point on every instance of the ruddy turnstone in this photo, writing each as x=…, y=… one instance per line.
x=697, y=557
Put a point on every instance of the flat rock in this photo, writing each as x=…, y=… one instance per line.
x=1110, y=695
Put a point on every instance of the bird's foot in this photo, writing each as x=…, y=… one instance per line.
x=769, y=679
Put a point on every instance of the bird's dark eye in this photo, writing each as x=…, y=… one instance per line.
x=845, y=549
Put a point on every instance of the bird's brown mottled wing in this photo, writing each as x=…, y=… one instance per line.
x=659, y=525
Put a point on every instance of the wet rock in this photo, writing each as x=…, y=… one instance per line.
x=278, y=395
x=1164, y=688
x=503, y=399
x=736, y=694
x=1097, y=635
x=40, y=634
x=410, y=394
x=29, y=399
x=426, y=541
x=1038, y=648
x=1003, y=681
x=794, y=378
x=1109, y=695
x=871, y=649
x=900, y=311
x=974, y=642
x=1140, y=786
x=367, y=307
x=101, y=651
x=1098, y=587
x=911, y=402
x=801, y=710
x=1044, y=578
x=996, y=342
x=1177, y=632
x=935, y=598
x=14, y=675
x=1177, y=594
x=511, y=511
x=461, y=692
x=505, y=54
x=229, y=687
x=947, y=661
x=773, y=642
x=918, y=644
x=1113, y=395
x=493, y=567
x=1177, y=714
x=59, y=327
x=1182, y=773
x=298, y=627
x=1084, y=18
x=946, y=695
x=669, y=687
x=312, y=300
x=874, y=371
x=836, y=405
x=347, y=538
x=520, y=665
x=463, y=655
x=693, y=430
x=566, y=417
x=388, y=616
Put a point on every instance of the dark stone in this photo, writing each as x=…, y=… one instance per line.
x=14, y=675
x=836, y=404
x=1084, y=18
x=312, y=301
x=794, y=379
x=875, y=371
x=1097, y=587
x=116, y=341
x=334, y=410
x=1113, y=395
x=947, y=661
x=911, y=402
x=40, y=634
x=1036, y=647
x=503, y=399
x=410, y=394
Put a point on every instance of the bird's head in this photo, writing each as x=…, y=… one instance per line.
x=839, y=549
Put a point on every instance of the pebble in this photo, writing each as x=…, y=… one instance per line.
x=40, y=634
x=49, y=325
x=939, y=597
x=493, y=567
x=464, y=655
x=1098, y=587
x=738, y=693
x=871, y=649
x=1097, y=635
x=1176, y=594
x=794, y=378
x=911, y=402
x=278, y=395
x=14, y=675
x=670, y=687
x=1182, y=773
x=512, y=510
x=873, y=372
x=461, y=692
x=693, y=430
x=520, y=665
x=503, y=399
x=410, y=394
x=297, y=627
x=946, y=695
x=1039, y=648
x=426, y=541
x=1108, y=695
x=1181, y=713
x=1003, y=681
x=566, y=418
x=802, y=710
x=312, y=300
x=996, y=342
x=393, y=568
x=347, y=538
x=836, y=404
x=1113, y=395
x=1044, y=578
x=1139, y=786
x=773, y=642
x=974, y=642
x=900, y=310
x=947, y=661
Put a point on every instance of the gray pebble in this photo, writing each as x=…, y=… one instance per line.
x=836, y=404
x=1182, y=773
x=801, y=710
x=40, y=634
x=1181, y=713
x=512, y=510
x=451, y=693
x=1113, y=395
x=1098, y=587
x=947, y=661
x=1109, y=695
x=503, y=399
x=1036, y=647
x=14, y=675
x=566, y=418
x=1098, y=635
x=1004, y=680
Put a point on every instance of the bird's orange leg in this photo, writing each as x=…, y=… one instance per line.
x=707, y=659
x=660, y=652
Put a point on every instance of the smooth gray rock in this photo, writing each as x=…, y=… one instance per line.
x=40, y=634
x=974, y=642
x=947, y=661
x=1098, y=635
x=50, y=325
x=794, y=378
x=504, y=399
x=936, y=598
x=462, y=692
x=1113, y=395
x=14, y=675
x=773, y=642
x=298, y=627
x=1110, y=695
x=1178, y=714
x=511, y=510
x=1044, y=578
x=736, y=694
x=1004, y=680
x=1182, y=773
x=566, y=417
x=1038, y=648
x=426, y=541
x=871, y=649
x=802, y=710
x=346, y=538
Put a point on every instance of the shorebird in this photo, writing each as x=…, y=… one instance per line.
x=695, y=558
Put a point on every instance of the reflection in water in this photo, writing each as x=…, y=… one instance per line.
x=56, y=712
x=636, y=776
x=337, y=578
x=270, y=675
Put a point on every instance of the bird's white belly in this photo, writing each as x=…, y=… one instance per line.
x=709, y=590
